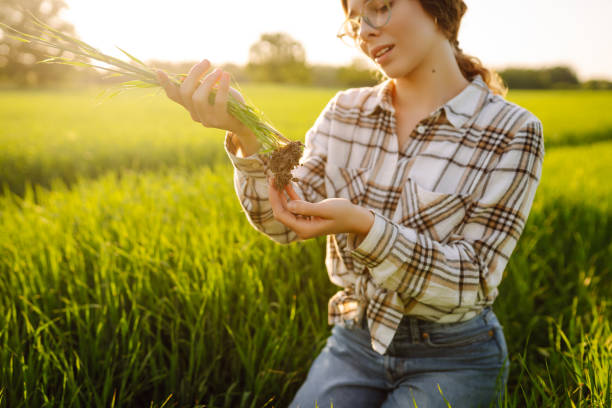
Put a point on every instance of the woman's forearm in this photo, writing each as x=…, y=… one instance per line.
x=364, y=219
x=247, y=143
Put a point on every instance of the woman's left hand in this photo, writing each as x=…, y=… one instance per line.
x=309, y=220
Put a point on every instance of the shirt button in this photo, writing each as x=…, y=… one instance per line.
x=421, y=129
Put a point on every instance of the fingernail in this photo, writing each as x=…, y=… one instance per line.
x=205, y=61
x=291, y=205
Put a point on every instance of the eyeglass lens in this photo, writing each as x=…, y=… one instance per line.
x=375, y=13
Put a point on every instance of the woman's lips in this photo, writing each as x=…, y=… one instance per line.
x=384, y=57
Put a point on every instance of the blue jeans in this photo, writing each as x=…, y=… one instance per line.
x=427, y=363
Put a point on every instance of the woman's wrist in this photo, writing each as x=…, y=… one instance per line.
x=247, y=141
x=363, y=221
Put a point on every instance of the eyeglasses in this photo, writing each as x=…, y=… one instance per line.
x=375, y=13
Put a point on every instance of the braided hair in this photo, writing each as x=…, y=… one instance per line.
x=448, y=15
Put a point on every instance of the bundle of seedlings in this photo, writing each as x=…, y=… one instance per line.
x=283, y=154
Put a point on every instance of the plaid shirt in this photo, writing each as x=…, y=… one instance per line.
x=449, y=207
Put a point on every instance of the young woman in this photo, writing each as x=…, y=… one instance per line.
x=422, y=185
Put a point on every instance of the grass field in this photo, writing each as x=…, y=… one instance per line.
x=141, y=131
x=47, y=135
x=121, y=287
x=570, y=117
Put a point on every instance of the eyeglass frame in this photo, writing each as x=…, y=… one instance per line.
x=343, y=32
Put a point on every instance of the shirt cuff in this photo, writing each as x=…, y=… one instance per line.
x=377, y=244
x=253, y=165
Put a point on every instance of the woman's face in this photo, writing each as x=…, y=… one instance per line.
x=410, y=32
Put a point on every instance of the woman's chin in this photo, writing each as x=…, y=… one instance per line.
x=392, y=70
x=390, y=73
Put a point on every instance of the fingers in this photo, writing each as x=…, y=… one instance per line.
x=279, y=204
x=299, y=207
x=192, y=81
x=183, y=94
x=194, y=95
x=305, y=208
x=304, y=227
x=237, y=95
x=190, y=84
x=292, y=194
x=279, y=196
x=207, y=114
x=222, y=95
x=171, y=90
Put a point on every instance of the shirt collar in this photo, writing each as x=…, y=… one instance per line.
x=461, y=108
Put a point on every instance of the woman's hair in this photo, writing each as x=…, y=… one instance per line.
x=448, y=15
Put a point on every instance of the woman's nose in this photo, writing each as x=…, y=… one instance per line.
x=366, y=31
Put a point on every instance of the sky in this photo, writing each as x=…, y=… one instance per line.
x=501, y=33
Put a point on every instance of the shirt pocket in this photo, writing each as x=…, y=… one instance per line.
x=346, y=182
x=436, y=214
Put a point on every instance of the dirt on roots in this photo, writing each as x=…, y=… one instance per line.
x=282, y=161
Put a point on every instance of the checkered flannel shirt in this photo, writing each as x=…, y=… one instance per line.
x=449, y=206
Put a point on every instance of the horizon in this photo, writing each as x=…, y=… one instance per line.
x=503, y=46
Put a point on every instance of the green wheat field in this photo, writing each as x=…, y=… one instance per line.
x=131, y=278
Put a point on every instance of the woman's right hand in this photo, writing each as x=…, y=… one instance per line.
x=193, y=96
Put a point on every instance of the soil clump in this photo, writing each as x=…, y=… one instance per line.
x=282, y=161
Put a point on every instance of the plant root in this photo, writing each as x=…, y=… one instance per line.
x=282, y=161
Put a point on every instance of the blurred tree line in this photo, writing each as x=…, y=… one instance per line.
x=275, y=57
x=18, y=59
x=558, y=77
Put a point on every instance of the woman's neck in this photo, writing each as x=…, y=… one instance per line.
x=437, y=80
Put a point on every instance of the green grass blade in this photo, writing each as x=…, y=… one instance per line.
x=18, y=38
x=139, y=84
x=132, y=57
x=64, y=62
